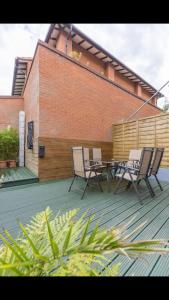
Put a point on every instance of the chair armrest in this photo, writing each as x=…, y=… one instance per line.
x=131, y=168
x=94, y=167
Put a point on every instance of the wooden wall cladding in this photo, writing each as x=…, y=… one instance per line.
x=57, y=162
x=31, y=157
x=145, y=132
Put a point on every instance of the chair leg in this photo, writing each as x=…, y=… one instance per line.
x=87, y=184
x=112, y=176
x=120, y=180
x=135, y=187
x=117, y=185
x=128, y=185
x=98, y=181
x=149, y=187
x=136, y=190
x=158, y=182
x=72, y=183
x=115, y=170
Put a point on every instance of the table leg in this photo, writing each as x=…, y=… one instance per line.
x=109, y=177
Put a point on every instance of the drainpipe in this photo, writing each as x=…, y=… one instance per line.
x=68, y=37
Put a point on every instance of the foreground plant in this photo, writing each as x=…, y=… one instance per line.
x=67, y=246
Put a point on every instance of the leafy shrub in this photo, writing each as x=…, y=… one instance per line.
x=67, y=246
x=9, y=144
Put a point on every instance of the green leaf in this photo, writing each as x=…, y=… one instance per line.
x=67, y=239
x=12, y=267
x=93, y=234
x=16, y=244
x=34, y=248
x=10, y=247
x=54, y=246
x=112, y=271
x=85, y=231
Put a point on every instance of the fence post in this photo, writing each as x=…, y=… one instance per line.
x=123, y=140
x=137, y=133
x=155, y=139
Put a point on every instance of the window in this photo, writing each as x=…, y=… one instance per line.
x=30, y=135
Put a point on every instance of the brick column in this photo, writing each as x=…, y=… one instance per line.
x=110, y=72
x=138, y=90
x=154, y=101
x=61, y=43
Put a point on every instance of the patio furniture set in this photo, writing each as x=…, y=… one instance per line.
x=141, y=165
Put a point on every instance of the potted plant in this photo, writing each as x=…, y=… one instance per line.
x=3, y=163
x=9, y=143
x=12, y=147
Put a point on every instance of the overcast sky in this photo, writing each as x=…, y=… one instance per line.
x=142, y=47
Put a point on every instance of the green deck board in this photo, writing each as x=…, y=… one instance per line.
x=24, y=201
x=17, y=176
x=149, y=229
x=162, y=266
x=142, y=267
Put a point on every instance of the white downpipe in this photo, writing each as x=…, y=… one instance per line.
x=21, y=138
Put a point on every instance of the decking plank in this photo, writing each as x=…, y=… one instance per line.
x=25, y=201
x=148, y=231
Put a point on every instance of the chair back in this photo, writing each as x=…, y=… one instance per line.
x=97, y=155
x=158, y=155
x=145, y=162
x=135, y=155
x=86, y=157
x=78, y=161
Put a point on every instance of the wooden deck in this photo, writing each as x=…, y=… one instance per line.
x=17, y=176
x=24, y=201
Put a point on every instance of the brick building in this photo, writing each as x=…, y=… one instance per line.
x=73, y=91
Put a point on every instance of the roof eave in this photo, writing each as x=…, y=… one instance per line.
x=76, y=30
x=49, y=33
x=14, y=75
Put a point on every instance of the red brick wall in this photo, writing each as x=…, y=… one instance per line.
x=90, y=60
x=146, y=95
x=77, y=104
x=31, y=107
x=96, y=64
x=124, y=82
x=10, y=107
x=29, y=63
x=61, y=43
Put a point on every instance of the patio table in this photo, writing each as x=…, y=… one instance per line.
x=110, y=164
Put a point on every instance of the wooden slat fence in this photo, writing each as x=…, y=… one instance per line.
x=151, y=131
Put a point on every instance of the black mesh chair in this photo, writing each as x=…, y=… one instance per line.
x=158, y=155
x=135, y=175
x=83, y=169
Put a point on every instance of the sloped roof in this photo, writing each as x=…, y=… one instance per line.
x=19, y=76
x=89, y=45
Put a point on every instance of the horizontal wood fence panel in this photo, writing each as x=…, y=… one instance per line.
x=146, y=132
